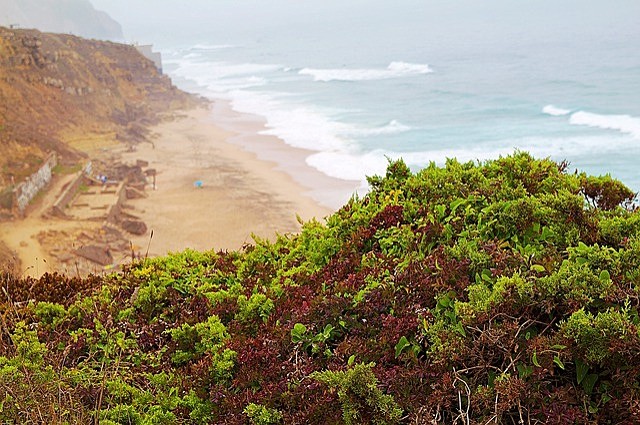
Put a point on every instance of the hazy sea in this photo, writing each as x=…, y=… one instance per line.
x=358, y=82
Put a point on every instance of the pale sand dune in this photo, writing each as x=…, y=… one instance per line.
x=240, y=195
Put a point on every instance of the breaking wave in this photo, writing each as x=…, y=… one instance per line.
x=394, y=70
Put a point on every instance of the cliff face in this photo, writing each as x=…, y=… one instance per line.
x=61, y=92
x=64, y=16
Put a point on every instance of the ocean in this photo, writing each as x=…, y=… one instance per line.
x=360, y=82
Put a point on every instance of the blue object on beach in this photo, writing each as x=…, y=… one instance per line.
x=198, y=183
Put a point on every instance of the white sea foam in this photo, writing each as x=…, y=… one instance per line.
x=623, y=123
x=220, y=77
x=302, y=126
x=356, y=165
x=393, y=127
x=555, y=111
x=307, y=127
x=297, y=125
x=203, y=46
x=409, y=68
x=394, y=70
x=346, y=166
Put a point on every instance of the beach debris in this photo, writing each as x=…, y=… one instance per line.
x=133, y=193
x=111, y=234
x=197, y=184
x=95, y=253
x=136, y=227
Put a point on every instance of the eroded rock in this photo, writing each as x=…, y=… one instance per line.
x=136, y=227
x=96, y=253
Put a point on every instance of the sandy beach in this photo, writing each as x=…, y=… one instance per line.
x=213, y=194
x=218, y=183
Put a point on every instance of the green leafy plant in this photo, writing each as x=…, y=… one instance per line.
x=359, y=395
x=261, y=415
x=258, y=306
x=313, y=343
x=192, y=341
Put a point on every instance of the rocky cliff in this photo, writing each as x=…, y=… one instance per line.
x=64, y=93
x=64, y=16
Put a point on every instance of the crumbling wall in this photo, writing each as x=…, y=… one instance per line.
x=27, y=190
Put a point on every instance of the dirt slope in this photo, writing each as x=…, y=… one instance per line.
x=70, y=94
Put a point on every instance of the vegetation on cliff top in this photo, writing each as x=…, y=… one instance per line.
x=503, y=292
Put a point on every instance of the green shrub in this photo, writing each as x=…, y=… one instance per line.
x=50, y=313
x=505, y=291
x=257, y=307
x=200, y=411
x=194, y=340
x=594, y=334
x=578, y=282
x=261, y=415
x=359, y=395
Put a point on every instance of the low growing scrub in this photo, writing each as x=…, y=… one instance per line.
x=502, y=292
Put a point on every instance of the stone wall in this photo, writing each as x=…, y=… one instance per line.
x=27, y=190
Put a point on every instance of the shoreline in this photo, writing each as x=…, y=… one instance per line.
x=328, y=191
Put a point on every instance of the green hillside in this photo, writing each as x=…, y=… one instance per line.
x=503, y=292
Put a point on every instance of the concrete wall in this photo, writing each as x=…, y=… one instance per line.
x=67, y=195
x=113, y=216
x=27, y=190
x=147, y=51
x=70, y=192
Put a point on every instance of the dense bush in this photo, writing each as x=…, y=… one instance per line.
x=504, y=292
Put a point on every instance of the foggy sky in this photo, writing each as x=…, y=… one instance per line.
x=148, y=18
